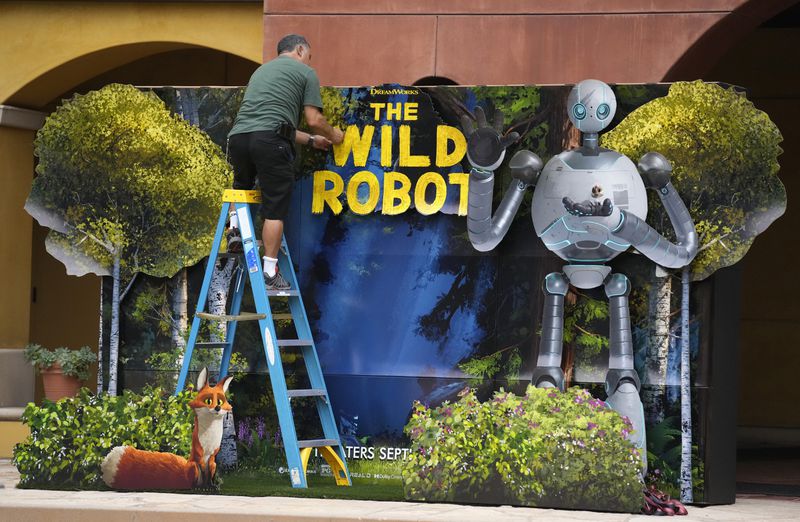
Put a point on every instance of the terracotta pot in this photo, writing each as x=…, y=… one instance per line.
x=57, y=385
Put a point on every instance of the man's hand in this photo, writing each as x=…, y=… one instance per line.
x=338, y=136
x=486, y=146
x=321, y=143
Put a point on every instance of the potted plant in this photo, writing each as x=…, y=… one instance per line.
x=62, y=369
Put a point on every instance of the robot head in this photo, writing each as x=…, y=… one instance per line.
x=591, y=105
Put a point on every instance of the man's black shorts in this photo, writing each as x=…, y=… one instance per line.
x=265, y=156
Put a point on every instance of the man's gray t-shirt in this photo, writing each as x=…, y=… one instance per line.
x=276, y=94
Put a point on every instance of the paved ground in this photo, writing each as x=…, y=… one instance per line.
x=19, y=505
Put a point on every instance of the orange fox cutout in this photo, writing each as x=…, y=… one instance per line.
x=126, y=467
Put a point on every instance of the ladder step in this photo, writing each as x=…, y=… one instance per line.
x=244, y=316
x=313, y=392
x=229, y=255
x=210, y=345
x=278, y=317
x=295, y=342
x=283, y=293
x=317, y=443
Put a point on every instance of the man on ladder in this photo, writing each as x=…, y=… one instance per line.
x=261, y=142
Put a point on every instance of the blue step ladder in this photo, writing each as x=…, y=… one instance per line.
x=297, y=451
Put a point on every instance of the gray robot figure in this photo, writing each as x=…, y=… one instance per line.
x=589, y=205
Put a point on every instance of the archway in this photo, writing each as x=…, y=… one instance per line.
x=64, y=309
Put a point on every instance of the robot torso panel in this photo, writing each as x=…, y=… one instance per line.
x=588, y=177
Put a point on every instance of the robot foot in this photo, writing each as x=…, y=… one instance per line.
x=548, y=377
x=625, y=401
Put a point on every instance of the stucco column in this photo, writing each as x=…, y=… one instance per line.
x=17, y=131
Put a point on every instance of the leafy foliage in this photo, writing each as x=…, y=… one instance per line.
x=505, y=362
x=538, y=449
x=74, y=363
x=664, y=459
x=70, y=438
x=724, y=156
x=119, y=176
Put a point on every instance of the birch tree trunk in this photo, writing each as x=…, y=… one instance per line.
x=100, y=343
x=686, y=394
x=217, y=302
x=660, y=296
x=113, y=342
x=180, y=314
x=218, y=296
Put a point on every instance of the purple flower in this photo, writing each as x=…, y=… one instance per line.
x=601, y=433
x=552, y=395
x=533, y=425
x=596, y=403
x=591, y=425
x=580, y=444
x=625, y=432
x=579, y=400
x=555, y=410
x=260, y=427
x=519, y=410
x=448, y=412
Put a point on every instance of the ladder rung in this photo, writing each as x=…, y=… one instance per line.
x=313, y=392
x=317, y=443
x=295, y=342
x=210, y=345
x=278, y=317
x=244, y=316
x=283, y=293
x=230, y=255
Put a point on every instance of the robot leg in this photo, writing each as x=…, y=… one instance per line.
x=548, y=372
x=622, y=381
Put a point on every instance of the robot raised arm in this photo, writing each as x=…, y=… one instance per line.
x=656, y=171
x=486, y=149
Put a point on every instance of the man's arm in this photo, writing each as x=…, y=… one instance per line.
x=316, y=120
x=310, y=140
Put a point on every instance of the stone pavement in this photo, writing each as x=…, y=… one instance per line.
x=21, y=505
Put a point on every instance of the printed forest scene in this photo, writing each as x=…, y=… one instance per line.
x=421, y=338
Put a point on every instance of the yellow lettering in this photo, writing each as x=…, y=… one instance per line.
x=321, y=195
x=423, y=207
x=406, y=158
x=393, y=111
x=377, y=107
x=373, y=186
x=462, y=180
x=386, y=145
x=410, y=112
x=356, y=143
x=396, y=200
x=444, y=135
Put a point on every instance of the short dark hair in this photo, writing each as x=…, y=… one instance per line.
x=289, y=42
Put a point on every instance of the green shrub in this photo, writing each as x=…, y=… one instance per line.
x=70, y=438
x=546, y=448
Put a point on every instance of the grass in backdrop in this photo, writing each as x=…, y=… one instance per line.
x=261, y=484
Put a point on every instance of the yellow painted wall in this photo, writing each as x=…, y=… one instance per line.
x=11, y=433
x=50, y=47
x=53, y=48
x=16, y=173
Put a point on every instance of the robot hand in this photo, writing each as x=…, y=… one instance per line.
x=486, y=146
x=655, y=169
x=589, y=208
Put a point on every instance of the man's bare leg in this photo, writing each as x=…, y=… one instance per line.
x=271, y=235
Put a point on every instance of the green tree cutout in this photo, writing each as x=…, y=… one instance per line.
x=126, y=187
x=724, y=154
